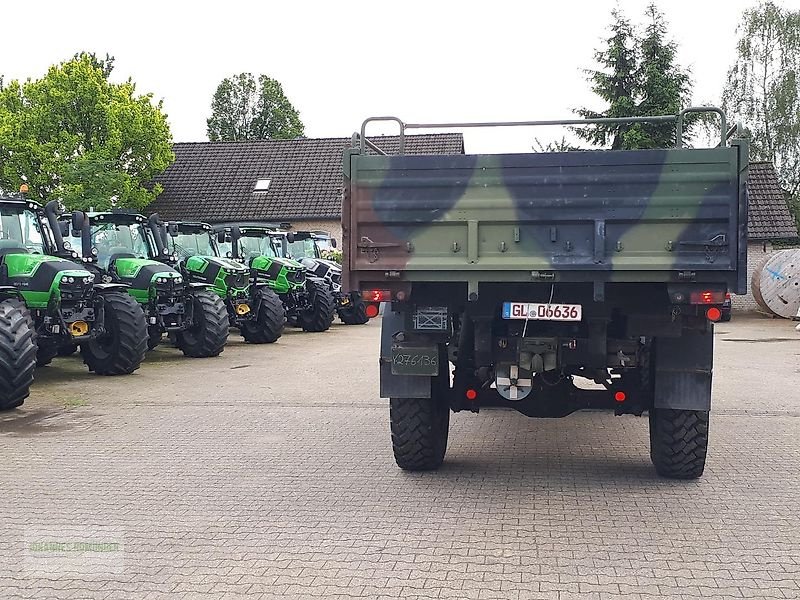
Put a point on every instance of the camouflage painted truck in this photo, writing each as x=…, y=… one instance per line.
x=526, y=272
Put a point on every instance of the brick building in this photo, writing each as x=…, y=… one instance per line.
x=769, y=221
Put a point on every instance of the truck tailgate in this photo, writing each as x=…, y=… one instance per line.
x=644, y=211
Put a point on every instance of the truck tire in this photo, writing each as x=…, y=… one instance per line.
x=267, y=326
x=420, y=425
x=320, y=317
x=208, y=333
x=679, y=442
x=121, y=350
x=17, y=353
x=355, y=314
x=419, y=432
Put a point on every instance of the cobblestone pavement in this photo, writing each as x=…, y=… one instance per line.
x=267, y=473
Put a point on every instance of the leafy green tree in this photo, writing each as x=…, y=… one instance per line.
x=763, y=89
x=75, y=136
x=245, y=109
x=639, y=76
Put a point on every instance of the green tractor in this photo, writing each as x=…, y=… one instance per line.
x=312, y=249
x=307, y=300
x=122, y=247
x=48, y=302
x=253, y=308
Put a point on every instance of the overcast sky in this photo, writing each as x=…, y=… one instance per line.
x=339, y=62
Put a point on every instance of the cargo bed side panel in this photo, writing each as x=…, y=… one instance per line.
x=492, y=215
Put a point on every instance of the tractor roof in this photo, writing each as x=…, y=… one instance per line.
x=120, y=218
x=20, y=202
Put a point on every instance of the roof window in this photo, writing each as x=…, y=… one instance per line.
x=262, y=185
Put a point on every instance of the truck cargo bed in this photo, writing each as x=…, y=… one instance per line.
x=639, y=215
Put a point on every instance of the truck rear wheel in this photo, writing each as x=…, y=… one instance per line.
x=17, y=353
x=121, y=350
x=419, y=432
x=320, y=315
x=267, y=324
x=355, y=314
x=679, y=442
x=208, y=333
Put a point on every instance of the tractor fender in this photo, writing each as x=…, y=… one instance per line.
x=8, y=291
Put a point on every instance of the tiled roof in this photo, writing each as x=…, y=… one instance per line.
x=769, y=216
x=214, y=181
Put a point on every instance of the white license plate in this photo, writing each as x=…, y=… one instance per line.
x=536, y=311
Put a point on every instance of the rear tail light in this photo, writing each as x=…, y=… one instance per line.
x=620, y=396
x=707, y=297
x=727, y=295
x=372, y=310
x=376, y=295
x=714, y=314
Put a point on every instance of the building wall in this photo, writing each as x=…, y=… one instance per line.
x=757, y=251
x=334, y=228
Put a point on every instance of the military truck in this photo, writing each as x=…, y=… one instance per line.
x=527, y=272
x=254, y=309
x=306, y=298
x=309, y=249
x=118, y=247
x=48, y=302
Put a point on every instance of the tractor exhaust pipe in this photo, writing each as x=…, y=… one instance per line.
x=52, y=210
x=155, y=225
x=235, y=235
x=80, y=222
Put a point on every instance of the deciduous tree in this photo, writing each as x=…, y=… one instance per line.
x=244, y=108
x=74, y=135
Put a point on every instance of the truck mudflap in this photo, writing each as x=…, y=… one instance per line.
x=683, y=371
x=405, y=370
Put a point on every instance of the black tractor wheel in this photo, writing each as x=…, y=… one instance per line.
x=68, y=350
x=678, y=442
x=154, y=336
x=45, y=355
x=208, y=333
x=121, y=350
x=17, y=353
x=420, y=425
x=354, y=314
x=319, y=315
x=267, y=324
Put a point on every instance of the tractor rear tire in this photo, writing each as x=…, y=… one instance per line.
x=355, y=314
x=267, y=326
x=121, y=350
x=45, y=355
x=320, y=317
x=17, y=353
x=679, y=442
x=208, y=333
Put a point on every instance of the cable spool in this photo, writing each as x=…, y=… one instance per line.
x=776, y=283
